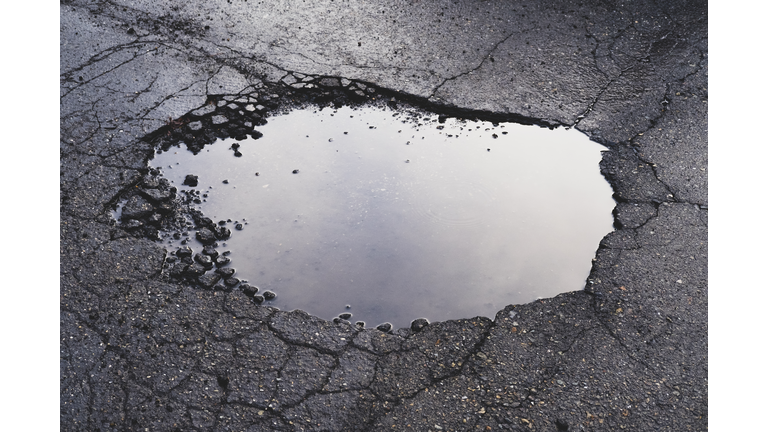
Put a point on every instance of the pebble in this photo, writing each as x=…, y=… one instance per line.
x=195, y=270
x=385, y=327
x=418, y=324
x=206, y=236
x=223, y=233
x=219, y=119
x=249, y=290
x=190, y=180
x=226, y=272
x=204, y=260
x=156, y=195
x=208, y=280
x=136, y=208
x=269, y=295
x=184, y=251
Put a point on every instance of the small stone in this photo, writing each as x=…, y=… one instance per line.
x=156, y=195
x=225, y=181
x=208, y=280
x=232, y=281
x=190, y=180
x=249, y=290
x=330, y=82
x=206, y=236
x=219, y=119
x=226, y=272
x=269, y=295
x=210, y=251
x=418, y=324
x=258, y=299
x=239, y=227
x=345, y=316
x=295, y=171
x=136, y=208
x=360, y=324
x=223, y=233
x=178, y=269
x=385, y=327
x=289, y=79
x=184, y=251
x=204, y=260
x=195, y=270
x=221, y=261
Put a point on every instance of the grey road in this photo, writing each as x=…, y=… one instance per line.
x=142, y=350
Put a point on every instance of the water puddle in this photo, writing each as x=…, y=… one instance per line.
x=395, y=216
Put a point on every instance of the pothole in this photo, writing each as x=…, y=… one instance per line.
x=395, y=215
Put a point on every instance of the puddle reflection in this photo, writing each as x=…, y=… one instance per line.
x=402, y=218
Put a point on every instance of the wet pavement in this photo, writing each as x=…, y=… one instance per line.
x=142, y=350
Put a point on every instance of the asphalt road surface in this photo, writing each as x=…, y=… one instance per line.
x=147, y=345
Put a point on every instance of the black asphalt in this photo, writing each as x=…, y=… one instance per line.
x=142, y=350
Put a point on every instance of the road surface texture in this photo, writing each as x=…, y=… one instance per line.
x=149, y=344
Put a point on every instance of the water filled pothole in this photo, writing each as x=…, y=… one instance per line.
x=392, y=216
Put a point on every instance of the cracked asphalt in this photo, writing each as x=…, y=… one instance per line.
x=141, y=350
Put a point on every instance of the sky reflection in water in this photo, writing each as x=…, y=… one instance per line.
x=402, y=221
